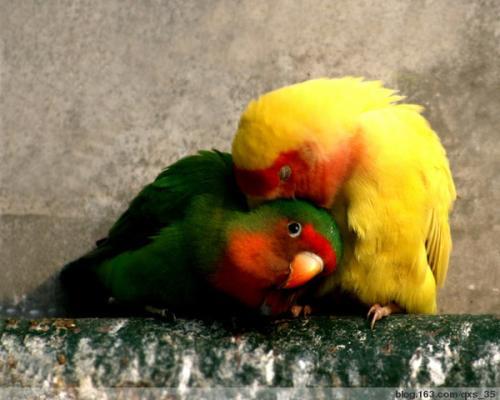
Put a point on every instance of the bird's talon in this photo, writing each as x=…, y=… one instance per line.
x=295, y=310
x=163, y=313
x=376, y=317
x=380, y=312
x=372, y=310
x=298, y=311
x=307, y=311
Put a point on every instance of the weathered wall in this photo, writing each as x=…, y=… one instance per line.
x=96, y=97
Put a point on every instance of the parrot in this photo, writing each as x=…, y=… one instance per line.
x=352, y=146
x=188, y=243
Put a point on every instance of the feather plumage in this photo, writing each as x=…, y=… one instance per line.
x=175, y=246
x=389, y=185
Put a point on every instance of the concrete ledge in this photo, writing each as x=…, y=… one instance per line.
x=402, y=351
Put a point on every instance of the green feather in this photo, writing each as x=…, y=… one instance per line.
x=162, y=250
x=165, y=200
x=133, y=239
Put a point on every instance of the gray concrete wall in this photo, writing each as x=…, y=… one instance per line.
x=97, y=97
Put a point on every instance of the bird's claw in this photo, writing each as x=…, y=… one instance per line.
x=161, y=312
x=378, y=312
x=297, y=310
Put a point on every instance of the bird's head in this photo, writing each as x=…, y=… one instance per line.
x=275, y=249
x=303, y=140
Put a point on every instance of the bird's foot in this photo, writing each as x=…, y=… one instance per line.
x=297, y=310
x=380, y=312
x=277, y=302
x=161, y=313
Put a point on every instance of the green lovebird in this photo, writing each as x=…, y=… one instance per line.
x=189, y=239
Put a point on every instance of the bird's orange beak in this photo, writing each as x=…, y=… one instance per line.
x=304, y=266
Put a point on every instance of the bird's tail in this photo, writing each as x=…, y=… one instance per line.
x=84, y=293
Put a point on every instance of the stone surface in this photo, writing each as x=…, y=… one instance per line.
x=78, y=356
x=97, y=97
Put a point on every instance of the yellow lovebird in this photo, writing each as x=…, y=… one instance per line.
x=351, y=146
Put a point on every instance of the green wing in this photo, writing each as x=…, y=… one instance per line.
x=159, y=205
x=157, y=273
x=166, y=199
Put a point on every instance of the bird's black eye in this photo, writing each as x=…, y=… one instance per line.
x=285, y=173
x=294, y=229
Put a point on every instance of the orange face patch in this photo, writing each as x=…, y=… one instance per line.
x=250, y=266
x=256, y=254
x=256, y=262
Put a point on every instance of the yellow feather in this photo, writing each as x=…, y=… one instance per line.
x=399, y=200
x=283, y=119
x=393, y=209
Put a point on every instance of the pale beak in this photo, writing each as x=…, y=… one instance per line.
x=303, y=268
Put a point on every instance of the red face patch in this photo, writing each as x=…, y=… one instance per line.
x=314, y=176
x=317, y=244
x=263, y=182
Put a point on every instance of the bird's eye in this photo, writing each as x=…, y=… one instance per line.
x=294, y=229
x=285, y=173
